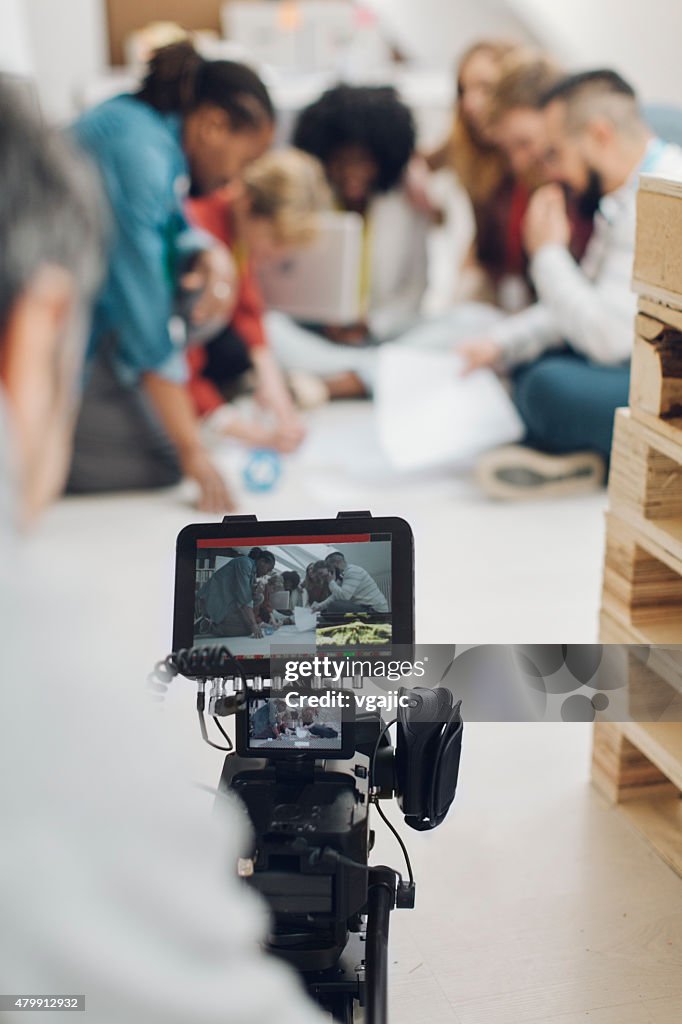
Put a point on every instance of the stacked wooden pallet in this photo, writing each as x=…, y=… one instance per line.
x=639, y=765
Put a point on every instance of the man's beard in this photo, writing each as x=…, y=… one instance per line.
x=587, y=203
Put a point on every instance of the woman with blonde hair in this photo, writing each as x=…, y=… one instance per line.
x=272, y=210
x=472, y=153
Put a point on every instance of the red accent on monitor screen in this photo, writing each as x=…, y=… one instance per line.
x=243, y=542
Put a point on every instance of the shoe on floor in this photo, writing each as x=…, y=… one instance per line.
x=517, y=473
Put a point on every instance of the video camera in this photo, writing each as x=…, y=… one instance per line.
x=276, y=618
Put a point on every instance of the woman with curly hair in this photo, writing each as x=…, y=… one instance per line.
x=364, y=137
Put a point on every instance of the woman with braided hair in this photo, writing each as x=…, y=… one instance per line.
x=195, y=124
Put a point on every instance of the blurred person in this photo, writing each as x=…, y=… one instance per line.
x=292, y=584
x=364, y=137
x=570, y=352
x=291, y=597
x=270, y=212
x=231, y=600
x=472, y=153
x=274, y=598
x=115, y=881
x=517, y=122
x=195, y=120
x=316, y=583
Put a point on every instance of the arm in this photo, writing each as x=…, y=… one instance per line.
x=173, y=405
x=346, y=591
x=274, y=396
x=590, y=306
x=140, y=296
x=244, y=595
x=597, y=314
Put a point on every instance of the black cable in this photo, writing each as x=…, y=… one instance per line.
x=375, y=799
x=327, y=852
x=220, y=728
x=204, y=735
x=401, y=844
x=380, y=737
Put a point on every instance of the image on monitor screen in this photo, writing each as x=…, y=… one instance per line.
x=275, y=725
x=275, y=595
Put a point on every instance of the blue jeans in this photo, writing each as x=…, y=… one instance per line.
x=568, y=404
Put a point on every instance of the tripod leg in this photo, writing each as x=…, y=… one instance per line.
x=380, y=903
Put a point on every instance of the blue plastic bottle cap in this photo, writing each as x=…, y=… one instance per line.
x=263, y=470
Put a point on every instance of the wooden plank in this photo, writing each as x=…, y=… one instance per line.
x=661, y=743
x=620, y=771
x=657, y=268
x=646, y=469
x=671, y=429
x=656, y=377
x=651, y=677
x=642, y=586
x=659, y=311
x=639, y=768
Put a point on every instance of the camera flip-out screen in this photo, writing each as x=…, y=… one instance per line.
x=332, y=586
x=318, y=724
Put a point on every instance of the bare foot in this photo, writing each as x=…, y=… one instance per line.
x=346, y=385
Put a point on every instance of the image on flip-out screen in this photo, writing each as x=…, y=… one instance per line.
x=276, y=724
x=296, y=593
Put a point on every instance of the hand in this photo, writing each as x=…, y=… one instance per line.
x=214, y=495
x=353, y=334
x=289, y=432
x=284, y=437
x=546, y=221
x=257, y=633
x=214, y=275
x=478, y=353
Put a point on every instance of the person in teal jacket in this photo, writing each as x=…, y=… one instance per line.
x=194, y=124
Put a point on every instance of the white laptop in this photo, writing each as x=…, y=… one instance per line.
x=321, y=282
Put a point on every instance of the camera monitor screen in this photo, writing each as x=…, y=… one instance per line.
x=293, y=723
x=295, y=588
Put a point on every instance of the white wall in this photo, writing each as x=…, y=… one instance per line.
x=640, y=38
x=68, y=40
x=16, y=57
x=437, y=31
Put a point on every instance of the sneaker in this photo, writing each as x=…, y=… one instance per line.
x=516, y=473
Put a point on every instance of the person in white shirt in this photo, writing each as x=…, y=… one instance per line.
x=116, y=882
x=351, y=588
x=569, y=352
x=364, y=136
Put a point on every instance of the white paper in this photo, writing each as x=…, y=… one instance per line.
x=429, y=415
x=304, y=619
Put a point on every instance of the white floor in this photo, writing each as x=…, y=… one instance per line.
x=535, y=901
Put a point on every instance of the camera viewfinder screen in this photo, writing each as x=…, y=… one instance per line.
x=263, y=596
x=275, y=725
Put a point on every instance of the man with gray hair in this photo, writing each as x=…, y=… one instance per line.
x=115, y=881
x=570, y=351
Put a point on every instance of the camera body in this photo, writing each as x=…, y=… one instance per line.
x=307, y=764
x=308, y=803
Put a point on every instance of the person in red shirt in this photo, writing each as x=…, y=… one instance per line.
x=272, y=210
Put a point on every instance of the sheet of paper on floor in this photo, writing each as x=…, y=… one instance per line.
x=428, y=414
